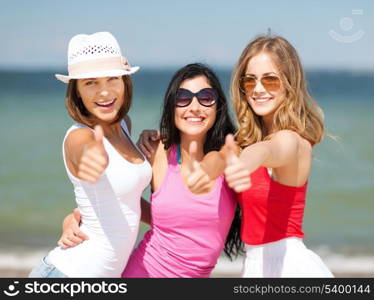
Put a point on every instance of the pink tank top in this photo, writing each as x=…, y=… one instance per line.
x=188, y=231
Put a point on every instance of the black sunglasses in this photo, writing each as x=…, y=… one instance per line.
x=206, y=97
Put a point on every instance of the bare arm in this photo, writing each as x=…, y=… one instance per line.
x=146, y=211
x=71, y=233
x=85, y=153
x=214, y=164
x=280, y=150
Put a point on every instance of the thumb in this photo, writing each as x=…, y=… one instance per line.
x=231, y=156
x=77, y=214
x=193, y=152
x=99, y=134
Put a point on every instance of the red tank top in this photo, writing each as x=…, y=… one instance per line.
x=271, y=211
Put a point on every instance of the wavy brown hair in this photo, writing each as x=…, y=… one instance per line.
x=298, y=112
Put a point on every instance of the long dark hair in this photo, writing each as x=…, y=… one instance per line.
x=215, y=139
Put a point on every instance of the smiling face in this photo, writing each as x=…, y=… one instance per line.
x=195, y=120
x=263, y=102
x=103, y=97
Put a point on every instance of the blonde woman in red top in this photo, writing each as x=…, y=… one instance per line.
x=279, y=124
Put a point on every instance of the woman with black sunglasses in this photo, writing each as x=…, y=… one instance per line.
x=189, y=229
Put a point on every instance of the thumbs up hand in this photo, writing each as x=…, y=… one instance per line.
x=94, y=159
x=198, y=181
x=237, y=176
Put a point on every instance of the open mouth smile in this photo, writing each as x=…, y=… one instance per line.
x=262, y=99
x=194, y=119
x=106, y=104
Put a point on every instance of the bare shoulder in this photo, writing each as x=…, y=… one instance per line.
x=159, y=162
x=286, y=135
x=286, y=139
x=74, y=143
x=159, y=148
x=78, y=137
x=289, y=140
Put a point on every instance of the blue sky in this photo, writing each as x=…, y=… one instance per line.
x=163, y=34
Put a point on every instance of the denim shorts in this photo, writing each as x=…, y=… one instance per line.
x=46, y=270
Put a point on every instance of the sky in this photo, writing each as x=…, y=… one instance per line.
x=163, y=34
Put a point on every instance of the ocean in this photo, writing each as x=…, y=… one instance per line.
x=35, y=193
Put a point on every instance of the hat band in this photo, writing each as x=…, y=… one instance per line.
x=99, y=64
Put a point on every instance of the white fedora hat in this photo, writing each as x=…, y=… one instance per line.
x=95, y=55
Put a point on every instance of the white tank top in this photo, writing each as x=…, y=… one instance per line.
x=110, y=210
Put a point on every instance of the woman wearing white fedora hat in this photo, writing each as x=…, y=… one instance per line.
x=106, y=168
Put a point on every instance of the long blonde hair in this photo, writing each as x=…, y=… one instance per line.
x=298, y=112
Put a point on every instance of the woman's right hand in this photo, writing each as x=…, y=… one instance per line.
x=144, y=141
x=198, y=181
x=94, y=159
x=236, y=174
x=71, y=233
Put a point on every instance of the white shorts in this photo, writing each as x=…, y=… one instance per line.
x=284, y=258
